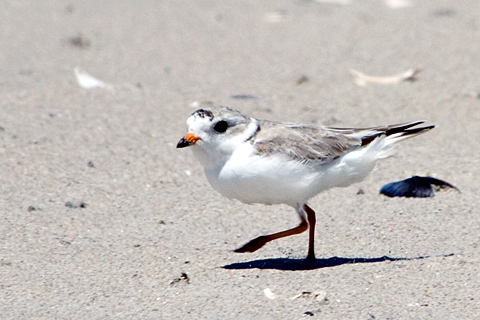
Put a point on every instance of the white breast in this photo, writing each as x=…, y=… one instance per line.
x=251, y=178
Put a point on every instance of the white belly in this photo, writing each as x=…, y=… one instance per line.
x=272, y=180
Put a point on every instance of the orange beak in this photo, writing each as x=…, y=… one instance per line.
x=189, y=140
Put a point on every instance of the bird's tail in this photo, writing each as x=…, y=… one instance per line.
x=394, y=133
x=397, y=133
x=383, y=138
x=390, y=135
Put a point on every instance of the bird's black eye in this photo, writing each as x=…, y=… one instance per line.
x=221, y=126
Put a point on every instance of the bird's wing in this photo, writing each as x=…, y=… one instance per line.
x=306, y=143
x=303, y=143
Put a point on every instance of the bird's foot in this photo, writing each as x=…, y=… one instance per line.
x=253, y=245
x=311, y=257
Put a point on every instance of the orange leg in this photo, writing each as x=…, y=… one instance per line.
x=311, y=232
x=259, y=242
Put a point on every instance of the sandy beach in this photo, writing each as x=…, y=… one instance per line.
x=103, y=218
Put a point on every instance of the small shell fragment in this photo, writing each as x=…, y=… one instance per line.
x=87, y=81
x=398, y=4
x=304, y=293
x=269, y=294
x=362, y=79
x=320, y=296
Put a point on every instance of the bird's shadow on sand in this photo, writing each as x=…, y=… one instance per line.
x=289, y=264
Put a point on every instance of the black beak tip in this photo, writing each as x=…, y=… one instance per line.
x=183, y=143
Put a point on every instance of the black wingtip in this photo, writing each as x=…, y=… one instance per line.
x=418, y=130
x=402, y=129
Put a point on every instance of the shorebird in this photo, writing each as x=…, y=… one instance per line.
x=261, y=161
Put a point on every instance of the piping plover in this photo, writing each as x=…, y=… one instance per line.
x=260, y=161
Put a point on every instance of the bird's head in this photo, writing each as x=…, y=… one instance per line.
x=215, y=133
